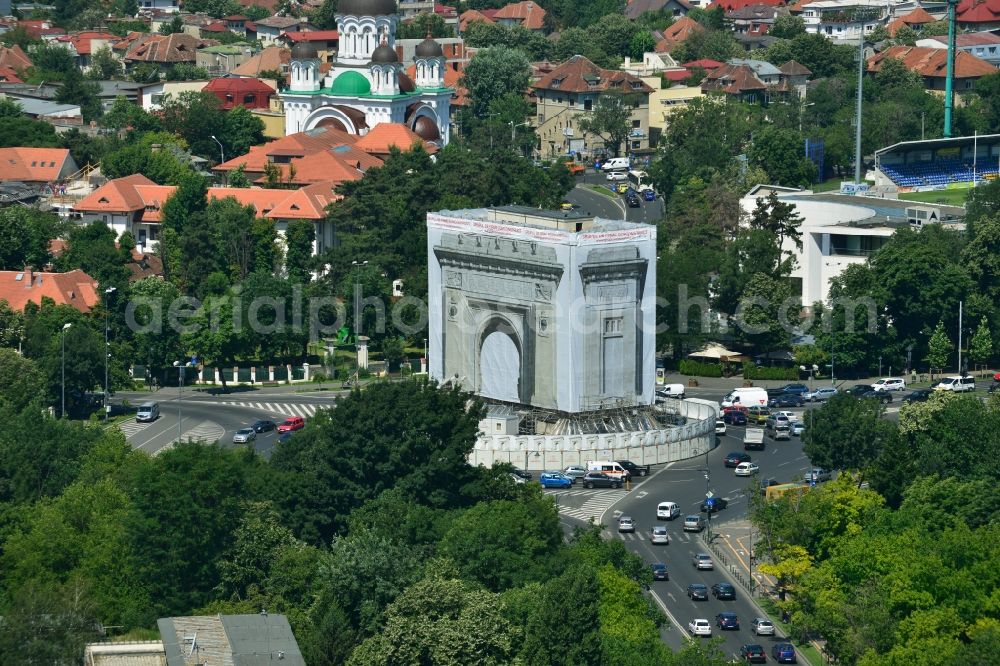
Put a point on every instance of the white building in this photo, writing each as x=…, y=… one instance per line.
x=983, y=45
x=366, y=85
x=842, y=20
x=544, y=308
x=840, y=230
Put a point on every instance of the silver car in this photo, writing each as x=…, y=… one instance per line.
x=244, y=435
x=658, y=535
x=626, y=524
x=761, y=626
x=575, y=472
x=822, y=393
x=703, y=562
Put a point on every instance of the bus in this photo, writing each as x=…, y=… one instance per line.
x=639, y=181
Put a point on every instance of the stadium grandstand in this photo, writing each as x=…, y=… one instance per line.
x=938, y=164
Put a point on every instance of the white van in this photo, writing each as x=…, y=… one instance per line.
x=608, y=468
x=147, y=412
x=956, y=384
x=889, y=384
x=670, y=391
x=746, y=397
x=617, y=164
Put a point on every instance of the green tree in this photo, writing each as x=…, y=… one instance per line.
x=25, y=234
x=847, y=433
x=324, y=17
x=610, y=120
x=52, y=62
x=893, y=73
x=104, y=66
x=762, y=314
x=154, y=154
x=49, y=623
x=18, y=36
x=157, y=342
x=257, y=543
x=124, y=115
x=578, y=41
x=781, y=154
x=714, y=44
x=77, y=90
x=493, y=73
x=424, y=24
x=92, y=248
x=173, y=26
x=27, y=132
x=561, y=633
x=240, y=130
x=196, y=117
x=787, y=27
x=299, y=238
x=238, y=177
x=642, y=42
x=981, y=345
x=939, y=349
x=187, y=200
x=629, y=626
x=504, y=544
x=431, y=428
x=185, y=71
x=11, y=326
x=442, y=620
x=614, y=34
x=21, y=381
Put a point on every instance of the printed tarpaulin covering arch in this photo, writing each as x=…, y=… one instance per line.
x=718, y=352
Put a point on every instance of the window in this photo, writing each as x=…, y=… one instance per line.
x=572, y=102
x=229, y=97
x=541, y=117
x=249, y=99
x=636, y=145
x=588, y=104
x=157, y=99
x=636, y=123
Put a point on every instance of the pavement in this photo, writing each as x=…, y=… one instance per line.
x=611, y=207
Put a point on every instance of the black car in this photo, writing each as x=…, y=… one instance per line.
x=527, y=476
x=285, y=436
x=659, y=571
x=920, y=395
x=598, y=480
x=735, y=458
x=787, y=400
x=735, y=417
x=727, y=620
x=882, y=396
x=993, y=387
x=723, y=591
x=264, y=425
x=698, y=592
x=753, y=654
x=633, y=469
x=633, y=201
x=714, y=504
x=784, y=653
x=859, y=390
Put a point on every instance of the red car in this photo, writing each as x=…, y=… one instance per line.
x=292, y=423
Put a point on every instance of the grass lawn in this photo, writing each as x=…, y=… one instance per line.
x=949, y=197
x=601, y=189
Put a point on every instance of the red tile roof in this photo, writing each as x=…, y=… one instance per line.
x=978, y=11
x=81, y=40
x=528, y=14
x=339, y=164
x=115, y=196
x=33, y=165
x=676, y=75
x=269, y=5
x=9, y=75
x=271, y=58
x=38, y=28
x=308, y=203
x=678, y=31
x=734, y=5
x=445, y=11
x=705, y=63
x=918, y=16
x=580, y=75
x=299, y=144
x=732, y=80
x=74, y=288
x=14, y=57
x=380, y=139
x=471, y=15
x=178, y=47
x=932, y=62
x=967, y=39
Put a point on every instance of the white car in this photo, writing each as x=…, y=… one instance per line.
x=667, y=511
x=617, y=176
x=889, y=384
x=956, y=384
x=798, y=428
x=762, y=627
x=822, y=393
x=626, y=524
x=244, y=435
x=747, y=469
x=792, y=417
x=700, y=627
x=720, y=427
x=658, y=535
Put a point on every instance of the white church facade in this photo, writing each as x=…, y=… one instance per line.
x=367, y=84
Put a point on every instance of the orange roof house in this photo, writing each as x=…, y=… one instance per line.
x=932, y=65
x=166, y=49
x=36, y=165
x=527, y=14
x=383, y=137
x=74, y=288
x=14, y=57
x=472, y=15
x=679, y=30
x=286, y=149
x=273, y=58
x=978, y=14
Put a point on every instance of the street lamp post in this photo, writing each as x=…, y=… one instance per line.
x=708, y=491
x=180, y=365
x=107, y=349
x=66, y=327
x=222, y=152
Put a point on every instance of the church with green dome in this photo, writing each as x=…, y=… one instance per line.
x=366, y=84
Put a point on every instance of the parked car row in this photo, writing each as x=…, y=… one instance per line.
x=284, y=429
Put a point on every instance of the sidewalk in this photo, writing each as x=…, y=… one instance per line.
x=736, y=381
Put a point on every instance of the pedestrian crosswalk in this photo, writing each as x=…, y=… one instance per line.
x=682, y=537
x=206, y=431
x=132, y=427
x=595, y=505
x=279, y=408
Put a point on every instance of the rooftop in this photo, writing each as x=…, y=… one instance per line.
x=536, y=218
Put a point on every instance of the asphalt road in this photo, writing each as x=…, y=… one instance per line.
x=216, y=417
x=612, y=208
x=684, y=483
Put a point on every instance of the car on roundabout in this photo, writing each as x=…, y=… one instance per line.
x=736, y=458
x=598, y=480
x=264, y=425
x=735, y=417
x=714, y=504
x=746, y=469
x=667, y=510
x=820, y=394
x=575, y=472
x=555, y=480
x=700, y=627
x=244, y=436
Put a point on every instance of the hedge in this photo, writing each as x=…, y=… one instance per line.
x=699, y=369
x=751, y=371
